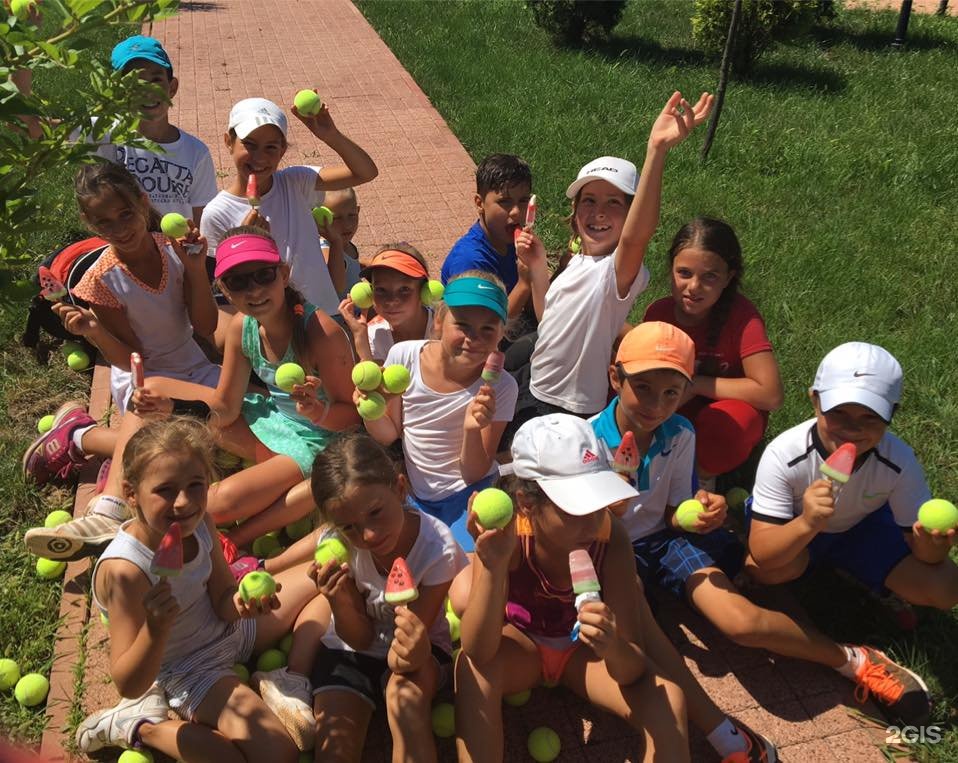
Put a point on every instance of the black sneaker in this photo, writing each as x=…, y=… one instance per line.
x=899, y=692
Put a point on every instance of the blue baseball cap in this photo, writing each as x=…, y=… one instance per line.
x=477, y=292
x=142, y=48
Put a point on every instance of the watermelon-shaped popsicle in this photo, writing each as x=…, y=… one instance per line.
x=626, y=458
x=839, y=466
x=50, y=286
x=252, y=192
x=400, y=586
x=168, y=557
x=136, y=366
x=531, y=213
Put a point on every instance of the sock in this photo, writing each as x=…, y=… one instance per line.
x=853, y=661
x=726, y=739
x=110, y=506
x=135, y=739
x=77, y=438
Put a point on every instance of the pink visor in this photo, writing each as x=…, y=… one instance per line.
x=238, y=250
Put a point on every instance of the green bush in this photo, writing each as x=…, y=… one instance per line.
x=577, y=22
x=761, y=22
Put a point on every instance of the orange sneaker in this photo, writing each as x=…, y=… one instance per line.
x=758, y=749
x=899, y=692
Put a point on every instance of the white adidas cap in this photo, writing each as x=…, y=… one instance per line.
x=250, y=113
x=858, y=372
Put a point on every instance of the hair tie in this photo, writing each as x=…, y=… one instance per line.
x=298, y=310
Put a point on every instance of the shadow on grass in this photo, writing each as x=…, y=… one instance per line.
x=792, y=77
x=875, y=40
x=651, y=52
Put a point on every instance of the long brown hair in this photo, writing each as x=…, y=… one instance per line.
x=92, y=180
x=353, y=459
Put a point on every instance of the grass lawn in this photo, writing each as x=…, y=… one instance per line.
x=836, y=164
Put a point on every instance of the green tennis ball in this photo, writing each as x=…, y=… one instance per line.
x=455, y=625
x=78, y=360
x=367, y=375
x=544, y=744
x=687, y=514
x=299, y=529
x=286, y=643
x=493, y=508
x=271, y=659
x=135, y=756
x=242, y=672
x=431, y=292
x=67, y=347
x=372, y=407
x=104, y=621
x=443, y=720
x=362, y=295
x=174, y=225
x=57, y=518
x=938, y=514
x=331, y=548
x=396, y=379
x=736, y=497
x=306, y=757
x=274, y=552
x=9, y=673
x=264, y=544
x=518, y=699
x=45, y=424
x=288, y=375
x=323, y=216
x=307, y=103
x=31, y=690
x=22, y=8
x=256, y=585
x=49, y=569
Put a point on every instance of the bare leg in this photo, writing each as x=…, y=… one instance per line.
x=99, y=441
x=408, y=708
x=189, y=742
x=297, y=589
x=294, y=504
x=342, y=718
x=301, y=551
x=776, y=575
x=253, y=490
x=310, y=627
x=929, y=585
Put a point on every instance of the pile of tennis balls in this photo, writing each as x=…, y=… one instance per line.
x=375, y=382
x=29, y=690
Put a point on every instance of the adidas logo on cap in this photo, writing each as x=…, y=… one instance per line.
x=589, y=457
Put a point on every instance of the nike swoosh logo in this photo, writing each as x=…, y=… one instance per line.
x=861, y=373
x=666, y=452
x=235, y=245
x=487, y=288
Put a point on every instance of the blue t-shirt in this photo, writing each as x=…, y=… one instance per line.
x=474, y=251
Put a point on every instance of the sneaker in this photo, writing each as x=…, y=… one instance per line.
x=102, y=475
x=244, y=565
x=116, y=726
x=77, y=539
x=758, y=749
x=289, y=696
x=899, y=692
x=53, y=455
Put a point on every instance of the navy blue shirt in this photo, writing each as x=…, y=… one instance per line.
x=474, y=251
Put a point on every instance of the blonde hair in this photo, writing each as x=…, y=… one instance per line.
x=178, y=434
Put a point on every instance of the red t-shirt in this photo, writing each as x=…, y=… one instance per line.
x=742, y=335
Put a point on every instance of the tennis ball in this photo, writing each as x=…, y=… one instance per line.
x=299, y=529
x=45, y=424
x=271, y=659
x=493, y=508
x=78, y=360
x=736, y=497
x=67, y=347
x=135, y=756
x=322, y=215
x=274, y=552
x=396, y=379
x=307, y=103
x=256, y=585
x=455, y=625
x=362, y=295
x=104, y=621
x=544, y=744
x=22, y=8
x=286, y=643
x=174, y=225
x=518, y=699
x=264, y=544
x=57, y=518
x=331, y=548
x=443, y=720
x=288, y=375
x=242, y=672
x=31, y=690
x=431, y=292
x=372, y=407
x=367, y=376
x=9, y=673
x=938, y=514
x=48, y=569
x=687, y=514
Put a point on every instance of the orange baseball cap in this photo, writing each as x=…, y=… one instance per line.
x=394, y=259
x=653, y=345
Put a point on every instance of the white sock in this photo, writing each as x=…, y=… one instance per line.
x=78, y=437
x=110, y=506
x=853, y=661
x=726, y=739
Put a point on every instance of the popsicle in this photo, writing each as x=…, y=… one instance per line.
x=531, y=213
x=136, y=366
x=626, y=458
x=168, y=557
x=400, y=586
x=252, y=192
x=838, y=467
x=493, y=367
x=50, y=286
x=585, y=582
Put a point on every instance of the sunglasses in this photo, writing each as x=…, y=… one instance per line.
x=243, y=281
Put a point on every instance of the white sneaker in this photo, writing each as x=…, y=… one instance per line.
x=114, y=726
x=290, y=697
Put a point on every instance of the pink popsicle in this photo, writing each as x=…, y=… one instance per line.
x=531, y=213
x=585, y=582
x=136, y=366
x=168, y=557
x=493, y=367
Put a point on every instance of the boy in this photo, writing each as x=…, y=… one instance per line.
x=868, y=526
x=652, y=369
x=336, y=239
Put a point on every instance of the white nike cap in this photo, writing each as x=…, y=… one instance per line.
x=858, y=372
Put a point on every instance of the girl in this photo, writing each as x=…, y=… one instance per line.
x=397, y=273
x=256, y=140
x=146, y=294
x=449, y=418
x=184, y=631
x=517, y=626
x=736, y=382
x=614, y=214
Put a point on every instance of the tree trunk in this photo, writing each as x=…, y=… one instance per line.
x=723, y=78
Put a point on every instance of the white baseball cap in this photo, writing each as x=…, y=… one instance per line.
x=858, y=372
x=620, y=172
x=251, y=113
x=561, y=454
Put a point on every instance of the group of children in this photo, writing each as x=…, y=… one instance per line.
x=685, y=394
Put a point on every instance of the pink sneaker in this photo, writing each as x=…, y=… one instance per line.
x=243, y=565
x=102, y=475
x=53, y=455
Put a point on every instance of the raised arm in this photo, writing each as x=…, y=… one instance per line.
x=357, y=167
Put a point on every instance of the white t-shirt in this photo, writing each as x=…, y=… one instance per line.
x=176, y=179
x=434, y=559
x=287, y=208
x=890, y=474
x=380, y=334
x=352, y=268
x=582, y=317
x=432, y=425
